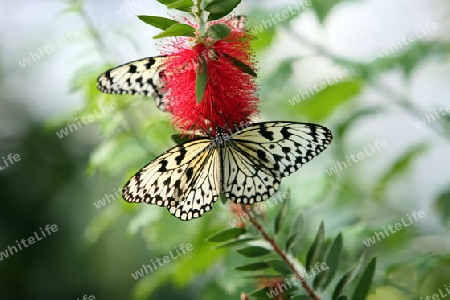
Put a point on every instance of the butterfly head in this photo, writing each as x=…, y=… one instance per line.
x=221, y=137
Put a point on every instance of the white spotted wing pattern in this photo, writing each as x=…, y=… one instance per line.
x=246, y=166
x=141, y=77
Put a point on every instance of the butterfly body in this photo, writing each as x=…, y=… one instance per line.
x=246, y=166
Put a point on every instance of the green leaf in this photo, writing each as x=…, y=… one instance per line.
x=280, y=76
x=293, y=241
x=241, y=66
x=201, y=80
x=166, y=2
x=253, y=251
x=177, y=30
x=281, y=216
x=322, y=99
x=442, y=207
x=234, y=243
x=158, y=22
x=223, y=198
x=253, y=267
x=333, y=258
x=315, y=248
x=183, y=5
x=347, y=278
x=342, y=297
x=343, y=127
x=279, y=266
x=363, y=287
x=218, y=31
x=323, y=7
x=260, y=294
x=226, y=235
x=220, y=8
x=178, y=139
x=398, y=168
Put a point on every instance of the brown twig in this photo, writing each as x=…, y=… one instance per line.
x=311, y=293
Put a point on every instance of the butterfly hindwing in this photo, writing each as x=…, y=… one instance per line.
x=142, y=77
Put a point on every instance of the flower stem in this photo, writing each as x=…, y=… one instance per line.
x=311, y=293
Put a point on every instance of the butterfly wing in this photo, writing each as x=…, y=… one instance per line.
x=257, y=157
x=239, y=22
x=142, y=77
x=185, y=179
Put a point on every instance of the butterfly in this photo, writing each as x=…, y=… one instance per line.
x=145, y=76
x=246, y=166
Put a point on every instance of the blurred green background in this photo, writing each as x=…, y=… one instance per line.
x=396, y=89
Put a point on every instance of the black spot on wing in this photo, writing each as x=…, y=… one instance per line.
x=132, y=69
x=265, y=133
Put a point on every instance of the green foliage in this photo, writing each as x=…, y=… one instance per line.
x=136, y=132
x=201, y=80
x=176, y=30
x=220, y=8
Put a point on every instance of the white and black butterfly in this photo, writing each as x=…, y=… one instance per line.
x=144, y=76
x=246, y=166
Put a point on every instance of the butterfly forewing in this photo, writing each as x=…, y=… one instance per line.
x=283, y=146
x=142, y=77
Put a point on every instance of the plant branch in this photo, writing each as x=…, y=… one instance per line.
x=401, y=101
x=311, y=293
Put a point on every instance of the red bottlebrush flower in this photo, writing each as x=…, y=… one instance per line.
x=230, y=97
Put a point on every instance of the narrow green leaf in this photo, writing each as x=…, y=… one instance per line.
x=177, y=30
x=363, y=288
x=218, y=31
x=241, y=66
x=260, y=294
x=321, y=101
x=442, y=207
x=158, y=22
x=348, y=278
x=234, y=243
x=253, y=251
x=223, y=198
x=340, y=286
x=292, y=242
x=332, y=259
x=183, y=5
x=342, y=297
x=201, y=80
x=315, y=248
x=166, y=2
x=220, y=8
x=253, y=267
x=226, y=235
x=281, y=216
x=398, y=168
x=297, y=224
x=178, y=139
x=279, y=266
